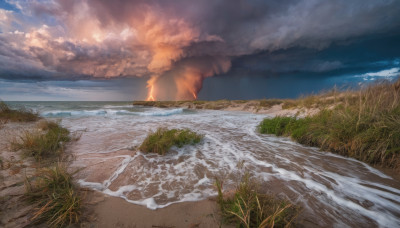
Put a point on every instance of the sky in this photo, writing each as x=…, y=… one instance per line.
x=186, y=49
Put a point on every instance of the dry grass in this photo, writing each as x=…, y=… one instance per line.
x=217, y=105
x=363, y=124
x=159, y=104
x=268, y=103
x=163, y=139
x=56, y=197
x=21, y=115
x=250, y=208
x=43, y=144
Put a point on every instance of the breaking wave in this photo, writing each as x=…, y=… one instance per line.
x=110, y=112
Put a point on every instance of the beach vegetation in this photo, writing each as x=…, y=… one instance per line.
x=289, y=104
x=248, y=207
x=49, y=142
x=163, y=139
x=362, y=124
x=55, y=195
x=268, y=103
x=16, y=115
x=216, y=105
x=159, y=104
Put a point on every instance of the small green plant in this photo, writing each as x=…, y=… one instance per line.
x=163, y=139
x=49, y=143
x=56, y=196
x=250, y=208
x=21, y=115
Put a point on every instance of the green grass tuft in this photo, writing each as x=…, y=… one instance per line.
x=39, y=144
x=21, y=115
x=56, y=197
x=250, y=208
x=163, y=139
x=365, y=125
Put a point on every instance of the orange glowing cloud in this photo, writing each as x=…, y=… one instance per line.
x=189, y=80
x=151, y=41
x=166, y=38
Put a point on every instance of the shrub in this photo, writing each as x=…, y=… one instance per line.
x=43, y=144
x=21, y=115
x=56, y=196
x=163, y=139
x=250, y=208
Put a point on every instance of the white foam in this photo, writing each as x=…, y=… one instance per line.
x=110, y=112
x=67, y=113
x=161, y=112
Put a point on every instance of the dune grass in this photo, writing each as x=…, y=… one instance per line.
x=163, y=139
x=250, y=208
x=159, y=104
x=51, y=190
x=56, y=197
x=268, y=103
x=43, y=144
x=20, y=115
x=364, y=124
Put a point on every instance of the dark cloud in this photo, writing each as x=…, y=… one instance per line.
x=180, y=43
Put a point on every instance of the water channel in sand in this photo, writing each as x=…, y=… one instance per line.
x=333, y=190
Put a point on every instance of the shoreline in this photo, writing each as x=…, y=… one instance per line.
x=273, y=107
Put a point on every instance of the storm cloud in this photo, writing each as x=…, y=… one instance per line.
x=178, y=44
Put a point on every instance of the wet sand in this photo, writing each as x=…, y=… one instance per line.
x=107, y=211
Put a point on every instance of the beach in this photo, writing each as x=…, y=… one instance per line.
x=125, y=187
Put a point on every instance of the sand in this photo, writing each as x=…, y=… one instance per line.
x=107, y=211
x=14, y=211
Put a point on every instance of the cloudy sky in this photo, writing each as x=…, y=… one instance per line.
x=184, y=49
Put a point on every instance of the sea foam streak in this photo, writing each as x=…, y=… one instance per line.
x=333, y=190
x=110, y=112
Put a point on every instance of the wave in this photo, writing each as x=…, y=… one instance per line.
x=109, y=112
x=118, y=106
x=161, y=112
x=68, y=113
